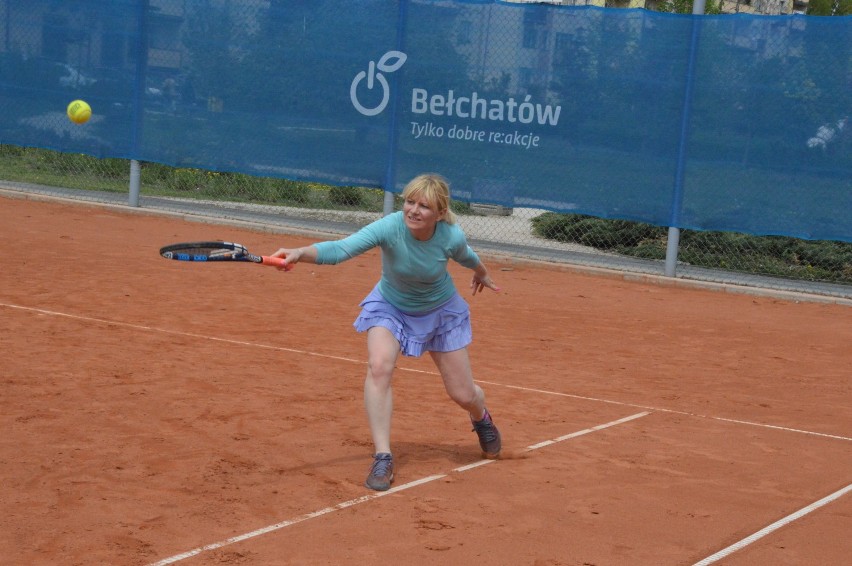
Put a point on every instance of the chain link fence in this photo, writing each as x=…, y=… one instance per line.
x=774, y=262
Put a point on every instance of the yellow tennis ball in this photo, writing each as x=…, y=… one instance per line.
x=79, y=111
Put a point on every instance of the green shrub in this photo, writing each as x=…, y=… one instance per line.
x=769, y=255
x=596, y=232
x=292, y=191
x=185, y=180
x=11, y=150
x=460, y=207
x=346, y=196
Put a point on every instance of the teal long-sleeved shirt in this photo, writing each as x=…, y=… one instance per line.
x=414, y=273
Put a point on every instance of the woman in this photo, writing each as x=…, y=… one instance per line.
x=414, y=308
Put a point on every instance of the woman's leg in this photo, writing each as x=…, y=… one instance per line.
x=458, y=381
x=383, y=351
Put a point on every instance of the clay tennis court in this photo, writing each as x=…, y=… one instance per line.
x=162, y=412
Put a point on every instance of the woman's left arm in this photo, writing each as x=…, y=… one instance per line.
x=465, y=255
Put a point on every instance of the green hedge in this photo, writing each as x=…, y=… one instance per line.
x=819, y=260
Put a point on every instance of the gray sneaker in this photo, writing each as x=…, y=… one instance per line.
x=381, y=474
x=489, y=436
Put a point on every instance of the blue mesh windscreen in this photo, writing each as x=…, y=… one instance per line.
x=731, y=122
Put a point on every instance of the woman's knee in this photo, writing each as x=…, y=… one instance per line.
x=379, y=369
x=463, y=396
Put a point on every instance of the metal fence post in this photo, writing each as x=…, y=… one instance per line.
x=390, y=173
x=138, y=102
x=673, y=242
x=135, y=171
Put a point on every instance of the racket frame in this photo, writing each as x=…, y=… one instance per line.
x=217, y=251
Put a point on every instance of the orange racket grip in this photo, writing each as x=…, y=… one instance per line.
x=275, y=262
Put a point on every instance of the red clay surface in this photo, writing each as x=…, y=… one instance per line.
x=150, y=408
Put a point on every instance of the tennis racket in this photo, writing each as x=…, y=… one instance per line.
x=218, y=251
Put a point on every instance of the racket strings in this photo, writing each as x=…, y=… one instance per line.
x=225, y=253
x=205, y=251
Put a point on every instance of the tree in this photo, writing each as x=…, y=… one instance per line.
x=829, y=8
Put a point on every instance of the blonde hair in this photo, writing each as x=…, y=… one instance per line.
x=435, y=190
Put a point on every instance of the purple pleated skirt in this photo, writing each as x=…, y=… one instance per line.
x=443, y=329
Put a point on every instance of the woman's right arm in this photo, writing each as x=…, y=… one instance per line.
x=336, y=251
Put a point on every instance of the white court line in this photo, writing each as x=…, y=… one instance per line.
x=371, y=496
x=282, y=524
x=179, y=333
x=663, y=410
x=479, y=463
x=774, y=526
x=587, y=431
x=361, y=362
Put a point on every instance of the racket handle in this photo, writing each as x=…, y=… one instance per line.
x=275, y=262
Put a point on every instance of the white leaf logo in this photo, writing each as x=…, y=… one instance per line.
x=388, y=63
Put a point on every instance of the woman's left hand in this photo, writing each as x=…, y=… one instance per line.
x=478, y=283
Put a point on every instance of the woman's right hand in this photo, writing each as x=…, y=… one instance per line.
x=291, y=256
x=295, y=255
